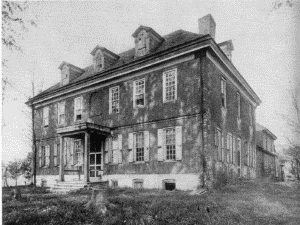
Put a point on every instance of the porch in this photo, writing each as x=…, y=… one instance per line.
x=82, y=151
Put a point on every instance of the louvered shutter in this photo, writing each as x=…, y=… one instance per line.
x=164, y=87
x=106, y=158
x=130, y=147
x=160, y=154
x=178, y=143
x=134, y=147
x=146, y=145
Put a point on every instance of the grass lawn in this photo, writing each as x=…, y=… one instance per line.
x=244, y=203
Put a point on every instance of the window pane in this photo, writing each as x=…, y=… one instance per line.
x=98, y=159
x=92, y=159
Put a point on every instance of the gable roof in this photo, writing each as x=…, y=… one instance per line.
x=170, y=40
x=266, y=130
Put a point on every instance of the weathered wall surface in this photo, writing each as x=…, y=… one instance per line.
x=129, y=119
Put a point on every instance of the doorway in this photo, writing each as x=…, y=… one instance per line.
x=96, y=159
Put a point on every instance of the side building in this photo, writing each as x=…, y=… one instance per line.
x=169, y=113
x=266, y=161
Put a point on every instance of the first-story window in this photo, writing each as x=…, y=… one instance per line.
x=139, y=148
x=246, y=155
x=239, y=149
x=78, y=108
x=78, y=152
x=56, y=153
x=139, y=92
x=169, y=144
x=114, y=99
x=229, y=147
x=218, y=143
x=44, y=156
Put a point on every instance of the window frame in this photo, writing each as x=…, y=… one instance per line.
x=136, y=148
x=55, y=154
x=76, y=108
x=165, y=85
x=174, y=144
x=223, y=93
x=111, y=100
x=46, y=116
x=61, y=106
x=135, y=94
x=218, y=143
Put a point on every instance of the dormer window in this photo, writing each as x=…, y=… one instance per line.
x=69, y=72
x=103, y=58
x=141, y=45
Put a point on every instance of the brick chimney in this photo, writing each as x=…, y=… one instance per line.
x=207, y=25
x=227, y=48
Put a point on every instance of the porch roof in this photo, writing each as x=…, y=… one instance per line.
x=83, y=127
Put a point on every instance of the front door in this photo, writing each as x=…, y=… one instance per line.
x=96, y=161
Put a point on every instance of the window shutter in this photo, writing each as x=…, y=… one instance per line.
x=175, y=83
x=160, y=134
x=40, y=156
x=134, y=93
x=106, y=151
x=109, y=101
x=65, y=151
x=55, y=154
x=120, y=142
x=120, y=156
x=109, y=150
x=134, y=146
x=146, y=142
x=130, y=147
x=164, y=87
x=233, y=150
x=179, y=143
x=48, y=155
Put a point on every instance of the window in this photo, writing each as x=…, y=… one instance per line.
x=78, y=108
x=45, y=156
x=223, y=92
x=229, y=147
x=114, y=100
x=218, y=143
x=170, y=85
x=239, y=149
x=250, y=114
x=46, y=116
x=246, y=155
x=55, y=154
x=65, y=75
x=139, y=148
x=169, y=184
x=170, y=144
x=139, y=92
x=138, y=183
x=61, y=113
x=239, y=105
x=78, y=152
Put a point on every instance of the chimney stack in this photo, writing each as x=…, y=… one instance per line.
x=207, y=25
x=227, y=48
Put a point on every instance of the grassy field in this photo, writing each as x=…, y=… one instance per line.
x=244, y=203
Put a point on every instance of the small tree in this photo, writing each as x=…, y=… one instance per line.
x=26, y=166
x=14, y=169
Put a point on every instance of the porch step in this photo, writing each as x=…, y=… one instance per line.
x=67, y=186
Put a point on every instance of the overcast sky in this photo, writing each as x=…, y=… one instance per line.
x=265, y=50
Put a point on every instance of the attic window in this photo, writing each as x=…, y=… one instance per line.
x=65, y=75
x=98, y=60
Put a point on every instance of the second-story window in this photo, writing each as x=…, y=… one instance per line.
x=46, y=116
x=223, y=92
x=170, y=85
x=114, y=100
x=78, y=108
x=139, y=92
x=61, y=113
x=239, y=105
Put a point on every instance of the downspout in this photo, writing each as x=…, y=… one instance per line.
x=33, y=147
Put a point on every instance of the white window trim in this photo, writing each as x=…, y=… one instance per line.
x=110, y=99
x=46, y=111
x=164, y=85
x=59, y=106
x=223, y=92
x=75, y=109
x=134, y=93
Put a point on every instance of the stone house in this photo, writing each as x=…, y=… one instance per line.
x=266, y=157
x=169, y=113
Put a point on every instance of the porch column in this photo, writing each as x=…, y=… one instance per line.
x=61, y=157
x=86, y=157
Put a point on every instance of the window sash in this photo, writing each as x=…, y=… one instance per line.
x=140, y=146
x=46, y=116
x=223, y=92
x=61, y=113
x=170, y=144
x=114, y=98
x=170, y=85
x=139, y=92
x=78, y=108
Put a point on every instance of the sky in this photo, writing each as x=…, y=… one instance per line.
x=265, y=50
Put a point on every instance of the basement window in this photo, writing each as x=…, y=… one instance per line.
x=169, y=184
x=138, y=183
x=114, y=183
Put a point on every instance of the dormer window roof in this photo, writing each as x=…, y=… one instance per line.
x=102, y=58
x=69, y=72
x=146, y=40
